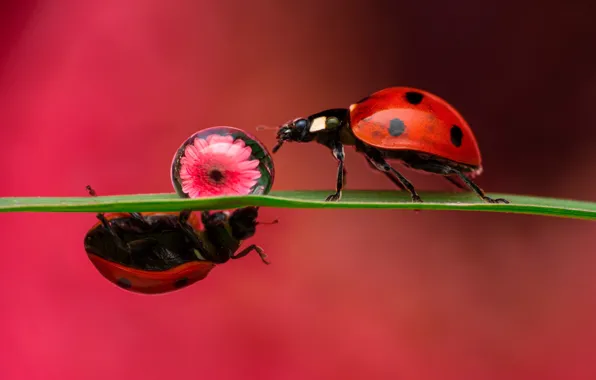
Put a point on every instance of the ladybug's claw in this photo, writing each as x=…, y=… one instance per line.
x=251, y=248
x=416, y=199
x=333, y=197
x=478, y=190
x=496, y=200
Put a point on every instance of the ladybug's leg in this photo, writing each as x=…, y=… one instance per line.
x=126, y=247
x=218, y=234
x=249, y=249
x=477, y=189
x=376, y=158
x=388, y=175
x=338, y=153
x=126, y=251
x=106, y=224
x=190, y=232
x=134, y=215
x=455, y=182
x=100, y=215
x=142, y=244
x=137, y=216
x=134, y=252
x=119, y=243
x=184, y=216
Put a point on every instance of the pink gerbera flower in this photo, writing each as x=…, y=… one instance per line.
x=218, y=165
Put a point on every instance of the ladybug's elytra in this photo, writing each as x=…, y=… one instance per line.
x=413, y=126
x=160, y=252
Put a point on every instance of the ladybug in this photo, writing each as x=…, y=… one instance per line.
x=413, y=126
x=154, y=252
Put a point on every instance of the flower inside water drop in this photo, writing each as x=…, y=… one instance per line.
x=218, y=165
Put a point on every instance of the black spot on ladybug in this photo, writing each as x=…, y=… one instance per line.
x=414, y=97
x=124, y=283
x=396, y=127
x=456, y=135
x=182, y=282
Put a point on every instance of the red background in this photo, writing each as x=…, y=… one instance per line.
x=103, y=92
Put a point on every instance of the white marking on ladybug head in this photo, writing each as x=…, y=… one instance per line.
x=318, y=124
x=352, y=106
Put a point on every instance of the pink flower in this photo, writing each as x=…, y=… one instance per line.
x=218, y=165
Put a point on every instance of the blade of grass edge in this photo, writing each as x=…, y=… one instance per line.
x=355, y=199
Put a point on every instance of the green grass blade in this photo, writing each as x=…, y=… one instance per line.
x=361, y=199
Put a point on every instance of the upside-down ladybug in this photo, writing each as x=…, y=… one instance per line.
x=413, y=126
x=160, y=252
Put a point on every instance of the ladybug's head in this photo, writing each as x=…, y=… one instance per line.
x=295, y=130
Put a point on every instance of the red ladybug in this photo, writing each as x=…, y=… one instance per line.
x=413, y=126
x=160, y=252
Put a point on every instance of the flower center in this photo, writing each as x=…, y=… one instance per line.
x=216, y=175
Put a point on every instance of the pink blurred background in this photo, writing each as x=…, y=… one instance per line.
x=103, y=92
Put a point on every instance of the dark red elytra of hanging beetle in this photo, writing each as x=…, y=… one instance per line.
x=155, y=253
x=416, y=127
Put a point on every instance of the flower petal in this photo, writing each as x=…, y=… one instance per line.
x=187, y=186
x=247, y=165
x=244, y=154
x=249, y=185
x=191, y=152
x=241, y=189
x=200, y=144
x=240, y=142
x=250, y=174
x=235, y=151
x=220, y=148
x=215, y=139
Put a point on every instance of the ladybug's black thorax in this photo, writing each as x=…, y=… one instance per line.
x=329, y=126
x=343, y=134
x=220, y=244
x=338, y=113
x=223, y=234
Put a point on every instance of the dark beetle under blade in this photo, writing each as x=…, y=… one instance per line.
x=160, y=252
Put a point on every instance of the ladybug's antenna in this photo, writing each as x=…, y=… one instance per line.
x=272, y=222
x=266, y=128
